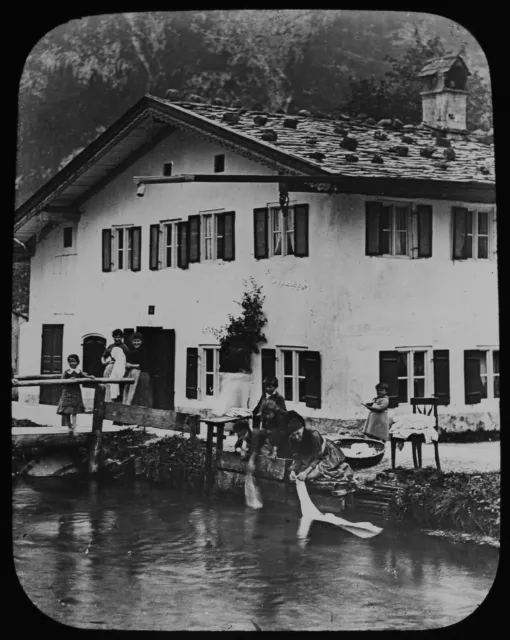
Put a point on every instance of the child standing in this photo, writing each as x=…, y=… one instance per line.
x=377, y=425
x=270, y=386
x=71, y=401
x=114, y=361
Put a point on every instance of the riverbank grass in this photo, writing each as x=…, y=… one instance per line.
x=459, y=503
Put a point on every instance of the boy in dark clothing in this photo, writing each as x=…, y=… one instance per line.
x=270, y=393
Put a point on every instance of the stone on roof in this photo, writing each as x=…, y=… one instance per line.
x=322, y=136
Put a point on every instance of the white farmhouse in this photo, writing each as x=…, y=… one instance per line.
x=384, y=267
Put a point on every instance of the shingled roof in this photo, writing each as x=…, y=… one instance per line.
x=443, y=65
x=351, y=147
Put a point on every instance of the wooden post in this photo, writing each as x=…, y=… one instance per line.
x=97, y=429
x=220, y=428
x=208, y=449
x=393, y=443
x=436, y=453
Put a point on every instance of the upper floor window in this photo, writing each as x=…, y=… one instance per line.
x=277, y=234
x=168, y=168
x=212, y=236
x=68, y=237
x=481, y=374
x=473, y=234
x=163, y=250
x=121, y=248
x=397, y=230
x=416, y=372
x=219, y=163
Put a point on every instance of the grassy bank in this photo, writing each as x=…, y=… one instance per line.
x=454, y=505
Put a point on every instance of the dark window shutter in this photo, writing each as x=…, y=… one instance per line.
x=107, y=250
x=260, y=224
x=442, y=376
x=460, y=219
x=154, y=247
x=194, y=238
x=136, y=248
x=268, y=363
x=424, y=231
x=301, y=230
x=220, y=236
x=313, y=382
x=182, y=241
x=388, y=372
x=230, y=236
x=128, y=333
x=373, y=212
x=192, y=373
x=472, y=382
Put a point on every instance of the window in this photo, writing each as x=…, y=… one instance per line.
x=163, y=251
x=397, y=230
x=293, y=375
x=412, y=378
x=481, y=374
x=202, y=372
x=212, y=236
x=124, y=248
x=282, y=233
x=121, y=249
x=472, y=231
x=68, y=237
x=408, y=372
x=219, y=163
x=298, y=371
x=279, y=235
x=210, y=368
x=168, y=168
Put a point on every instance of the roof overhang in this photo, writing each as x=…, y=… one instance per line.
x=149, y=122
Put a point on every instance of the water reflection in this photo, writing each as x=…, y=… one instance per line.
x=140, y=557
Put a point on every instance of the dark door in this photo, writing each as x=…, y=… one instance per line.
x=93, y=348
x=51, y=360
x=160, y=345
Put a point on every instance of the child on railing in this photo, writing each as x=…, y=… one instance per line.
x=71, y=401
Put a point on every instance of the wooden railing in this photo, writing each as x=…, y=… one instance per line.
x=123, y=414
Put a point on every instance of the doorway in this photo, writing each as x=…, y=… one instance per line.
x=51, y=360
x=160, y=345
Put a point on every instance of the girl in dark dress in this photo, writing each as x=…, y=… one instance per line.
x=140, y=392
x=315, y=457
x=71, y=401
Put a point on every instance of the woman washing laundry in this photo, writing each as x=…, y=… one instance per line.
x=315, y=457
x=269, y=440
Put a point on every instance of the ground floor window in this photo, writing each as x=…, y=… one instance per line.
x=210, y=360
x=298, y=371
x=415, y=372
x=481, y=374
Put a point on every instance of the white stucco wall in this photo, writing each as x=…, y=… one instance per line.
x=337, y=301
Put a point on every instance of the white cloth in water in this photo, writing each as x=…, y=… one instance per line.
x=252, y=492
x=414, y=424
x=119, y=369
x=310, y=513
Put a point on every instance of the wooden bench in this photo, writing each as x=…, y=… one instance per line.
x=419, y=406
